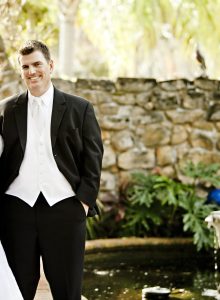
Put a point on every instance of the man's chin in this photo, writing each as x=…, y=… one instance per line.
x=34, y=83
x=35, y=90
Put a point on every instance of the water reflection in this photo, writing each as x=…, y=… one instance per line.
x=123, y=274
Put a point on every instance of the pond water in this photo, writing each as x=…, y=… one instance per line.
x=122, y=274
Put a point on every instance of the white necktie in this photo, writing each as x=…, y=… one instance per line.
x=38, y=114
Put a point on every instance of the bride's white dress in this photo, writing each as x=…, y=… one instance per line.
x=8, y=286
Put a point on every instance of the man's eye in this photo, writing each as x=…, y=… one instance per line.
x=24, y=67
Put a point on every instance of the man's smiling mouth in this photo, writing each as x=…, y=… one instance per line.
x=34, y=78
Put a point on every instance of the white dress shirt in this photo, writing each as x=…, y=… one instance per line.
x=39, y=171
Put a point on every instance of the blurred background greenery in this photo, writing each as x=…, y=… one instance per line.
x=163, y=39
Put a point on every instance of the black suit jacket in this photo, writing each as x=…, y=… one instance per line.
x=75, y=138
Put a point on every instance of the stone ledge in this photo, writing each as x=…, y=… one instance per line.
x=118, y=243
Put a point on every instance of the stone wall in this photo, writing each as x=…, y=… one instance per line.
x=149, y=125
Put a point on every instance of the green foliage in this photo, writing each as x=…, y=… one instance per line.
x=94, y=226
x=106, y=224
x=125, y=38
x=203, y=173
x=37, y=19
x=157, y=205
x=187, y=24
x=27, y=19
x=193, y=219
x=157, y=31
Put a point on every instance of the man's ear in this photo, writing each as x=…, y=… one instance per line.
x=51, y=64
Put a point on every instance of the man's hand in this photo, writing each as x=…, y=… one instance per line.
x=86, y=208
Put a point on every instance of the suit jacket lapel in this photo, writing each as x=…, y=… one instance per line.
x=59, y=107
x=20, y=112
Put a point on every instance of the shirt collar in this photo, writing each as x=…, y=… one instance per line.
x=46, y=98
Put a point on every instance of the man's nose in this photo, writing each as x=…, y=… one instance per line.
x=31, y=69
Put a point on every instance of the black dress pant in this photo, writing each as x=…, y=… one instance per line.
x=55, y=233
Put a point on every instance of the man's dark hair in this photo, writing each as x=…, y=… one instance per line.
x=33, y=45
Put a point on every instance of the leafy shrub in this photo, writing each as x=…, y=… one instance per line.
x=160, y=206
x=155, y=205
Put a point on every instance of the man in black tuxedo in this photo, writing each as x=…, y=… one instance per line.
x=49, y=178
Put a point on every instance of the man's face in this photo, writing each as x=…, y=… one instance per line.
x=36, y=71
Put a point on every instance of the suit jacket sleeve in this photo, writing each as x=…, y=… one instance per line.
x=1, y=139
x=91, y=163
